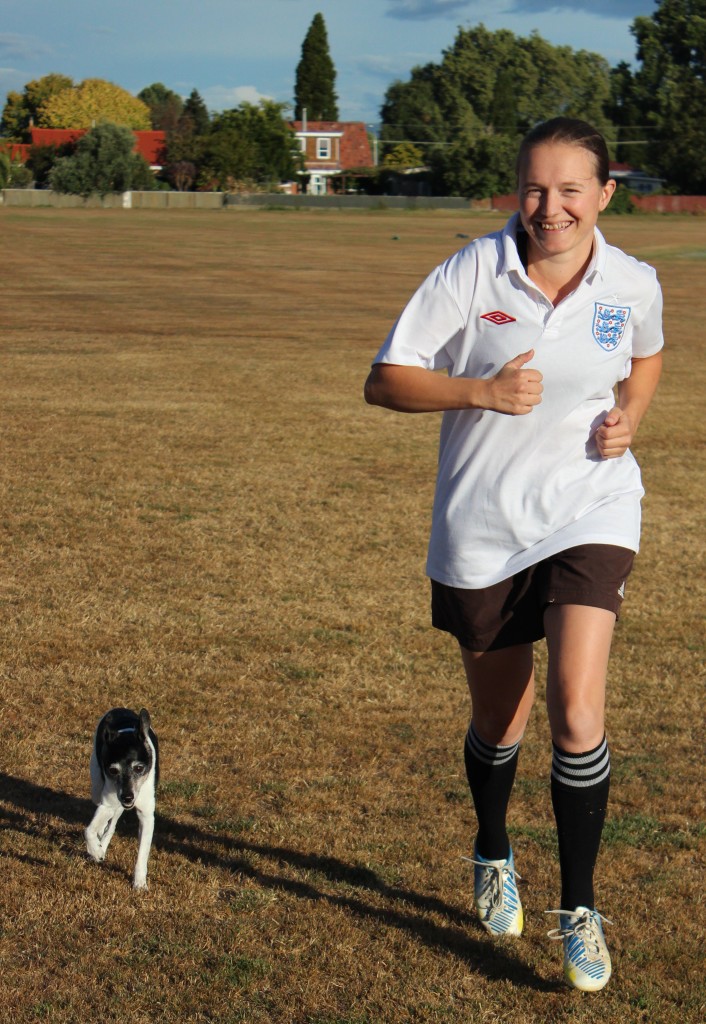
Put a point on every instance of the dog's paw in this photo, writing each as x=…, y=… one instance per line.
x=140, y=882
x=94, y=847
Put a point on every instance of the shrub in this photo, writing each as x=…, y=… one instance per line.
x=104, y=162
x=621, y=201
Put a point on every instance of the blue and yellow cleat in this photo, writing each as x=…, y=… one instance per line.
x=586, y=958
x=495, y=895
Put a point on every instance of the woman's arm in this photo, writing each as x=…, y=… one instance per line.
x=514, y=390
x=635, y=393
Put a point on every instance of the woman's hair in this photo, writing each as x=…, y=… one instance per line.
x=573, y=132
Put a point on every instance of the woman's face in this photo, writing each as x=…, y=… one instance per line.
x=560, y=199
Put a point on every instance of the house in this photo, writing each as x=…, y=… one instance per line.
x=149, y=145
x=330, y=148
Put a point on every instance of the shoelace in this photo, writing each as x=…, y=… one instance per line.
x=584, y=926
x=496, y=879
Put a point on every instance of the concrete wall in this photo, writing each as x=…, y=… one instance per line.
x=28, y=197
x=348, y=202
x=218, y=200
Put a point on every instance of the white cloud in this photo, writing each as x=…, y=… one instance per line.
x=221, y=97
x=17, y=47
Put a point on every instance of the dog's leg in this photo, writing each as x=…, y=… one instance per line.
x=145, y=817
x=100, y=831
x=97, y=780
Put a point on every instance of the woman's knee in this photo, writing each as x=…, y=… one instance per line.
x=576, y=726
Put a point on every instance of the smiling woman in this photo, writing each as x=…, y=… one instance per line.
x=537, y=509
x=563, y=186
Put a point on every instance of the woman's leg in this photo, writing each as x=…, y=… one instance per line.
x=578, y=642
x=501, y=684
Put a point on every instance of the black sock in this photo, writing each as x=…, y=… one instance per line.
x=580, y=786
x=491, y=772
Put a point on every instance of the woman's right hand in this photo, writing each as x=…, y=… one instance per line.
x=515, y=390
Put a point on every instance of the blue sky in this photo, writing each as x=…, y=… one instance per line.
x=235, y=50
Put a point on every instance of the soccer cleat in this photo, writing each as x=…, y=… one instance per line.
x=495, y=895
x=586, y=957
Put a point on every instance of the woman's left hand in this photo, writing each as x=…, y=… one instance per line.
x=614, y=436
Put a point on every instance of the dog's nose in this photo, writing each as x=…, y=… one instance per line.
x=127, y=801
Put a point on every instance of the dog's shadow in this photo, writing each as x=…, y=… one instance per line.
x=21, y=801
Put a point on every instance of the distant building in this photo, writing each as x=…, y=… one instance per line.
x=407, y=181
x=150, y=145
x=634, y=180
x=330, y=149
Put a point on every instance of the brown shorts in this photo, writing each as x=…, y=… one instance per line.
x=512, y=611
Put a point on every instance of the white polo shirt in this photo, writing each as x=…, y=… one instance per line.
x=513, y=490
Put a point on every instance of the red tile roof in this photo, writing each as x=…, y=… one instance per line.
x=15, y=150
x=150, y=145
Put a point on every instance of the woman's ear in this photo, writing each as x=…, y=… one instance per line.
x=607, y=191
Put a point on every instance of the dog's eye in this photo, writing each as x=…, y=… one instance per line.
x=113, y=771
x=138, y=769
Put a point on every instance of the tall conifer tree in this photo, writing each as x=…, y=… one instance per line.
x=316, y=76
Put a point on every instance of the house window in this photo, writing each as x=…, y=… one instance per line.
x=323, y=149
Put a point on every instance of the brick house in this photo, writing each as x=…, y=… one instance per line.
x=330, y=149
x=149, y=145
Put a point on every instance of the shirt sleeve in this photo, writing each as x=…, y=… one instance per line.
x=648, y=338
x=429, y=321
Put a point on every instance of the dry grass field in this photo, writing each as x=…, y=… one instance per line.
x=199, y=514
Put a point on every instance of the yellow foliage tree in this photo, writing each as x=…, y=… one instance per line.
x=94, y=101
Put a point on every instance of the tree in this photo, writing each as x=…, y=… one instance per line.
x=196, y=112
x=404, y=154
x=625, y=111
x=472, y=109
x=165, y=106
x=671, y=90
x=412, y=110
x=94, y=102
x=314, y=88
x=185, y=142
x=104, y=162
x=23, y=109
x=249, y=142
x=5, y=169
x=503, y=112
x=181, y=175
x=41, y=159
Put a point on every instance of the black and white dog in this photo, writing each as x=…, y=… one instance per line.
x=124, y=774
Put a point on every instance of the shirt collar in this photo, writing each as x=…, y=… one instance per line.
x=511, y=257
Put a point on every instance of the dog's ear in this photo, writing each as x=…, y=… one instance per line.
x=144, y=723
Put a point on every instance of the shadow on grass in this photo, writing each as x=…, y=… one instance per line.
x=408, y=911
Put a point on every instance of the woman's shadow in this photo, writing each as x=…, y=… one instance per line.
x=22, y=801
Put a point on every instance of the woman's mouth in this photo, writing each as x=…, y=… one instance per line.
x=561, y=226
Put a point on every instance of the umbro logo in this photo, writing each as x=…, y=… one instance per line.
x=498, y=317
